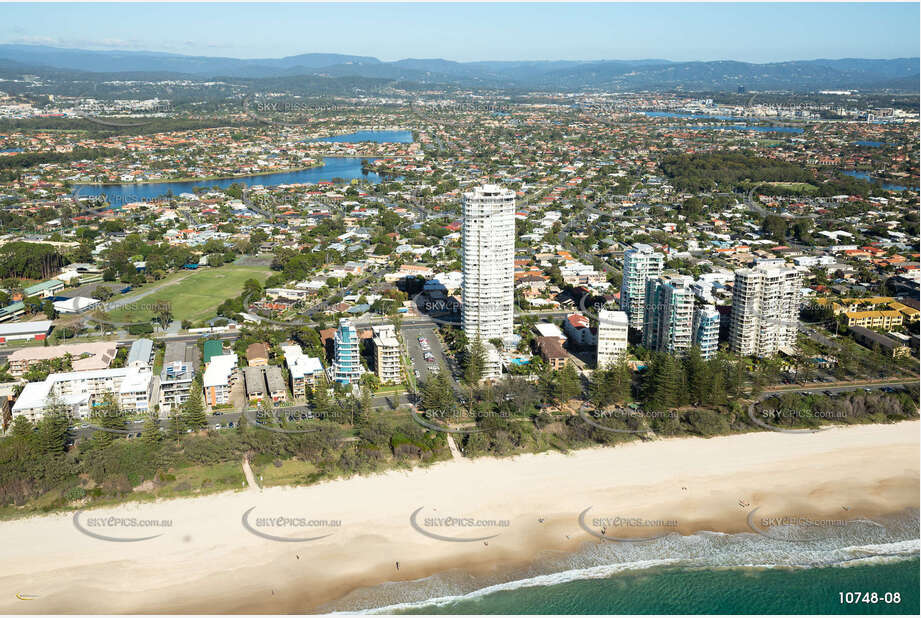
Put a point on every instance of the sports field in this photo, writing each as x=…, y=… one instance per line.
x=193, y=295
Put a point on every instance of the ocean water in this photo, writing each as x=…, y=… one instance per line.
x=744, y=573
x=740, y=590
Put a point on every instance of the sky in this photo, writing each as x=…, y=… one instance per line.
x=468, y=32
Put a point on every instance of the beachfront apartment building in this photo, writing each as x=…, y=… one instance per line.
x=264, y=382
x=303, y=370
x=177, y=375
x=488, y=267
x=388, y=364
x=669, y=314
x=641, y=263
x=765, y=310
x=219, y=378
x=707, y=330
x=254, y=382
x=346, y=367
x=79, y=392
x=613, y=327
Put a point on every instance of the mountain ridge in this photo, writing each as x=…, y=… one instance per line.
x=567, y=75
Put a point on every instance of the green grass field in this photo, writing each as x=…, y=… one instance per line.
x=192, y=295
x=804, y=187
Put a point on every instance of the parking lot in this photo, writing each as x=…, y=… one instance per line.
x=417, y=352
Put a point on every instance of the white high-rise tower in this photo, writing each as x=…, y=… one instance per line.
x=641, y=263
x=765, y=310
x=488, y=263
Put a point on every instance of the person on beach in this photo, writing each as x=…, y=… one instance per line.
x=398, y=565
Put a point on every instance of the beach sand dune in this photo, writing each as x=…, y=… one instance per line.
x=216, y=554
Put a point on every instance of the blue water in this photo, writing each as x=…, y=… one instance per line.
x=685, y=115
x=347, y=168
x=378, y=137
x=742, y=573
x=11, y=150
x=871, y=144
x=868, y=178
x=745, y=127
x=707, y=591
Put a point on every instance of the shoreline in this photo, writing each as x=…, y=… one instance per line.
x=208, y=562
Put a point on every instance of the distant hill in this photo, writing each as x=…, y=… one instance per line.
x=900, y=74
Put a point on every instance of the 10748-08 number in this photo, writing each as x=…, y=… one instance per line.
x=869, y=597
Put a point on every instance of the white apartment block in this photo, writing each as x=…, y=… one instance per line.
x=707, y=330
x=612, y=337
x=669, y=314
x=765, y=310
x=641, y=263
x=387, y=360
x=303, y=370
x=219, y=378
x=488, y=263
x=80, y=391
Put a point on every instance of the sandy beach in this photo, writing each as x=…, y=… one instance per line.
x=215, y=556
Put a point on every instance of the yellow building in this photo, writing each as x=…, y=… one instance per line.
x=909, y=313
x=874, y=319
x=849, y=305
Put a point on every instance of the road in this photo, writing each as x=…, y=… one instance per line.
x=834, y=388
x=816, y=336
x=230, y=419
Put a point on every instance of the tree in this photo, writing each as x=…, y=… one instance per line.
x=366, y=404
x=150, y=433
x=22, y=432
x=193, y=410
x=174, y=427
x=695, y=369
x=437, y=394
x=546, y=385
x=568, y=384
x=475, y=362
x=776, y=226
x=52, y=435
x=164, y=312
x=48, y=309
x=664, y=382
x=321, y=399
x=109, y=416
x=102, y=293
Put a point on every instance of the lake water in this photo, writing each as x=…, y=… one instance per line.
x=346, y=168
x=745, y=127
x=686, y=115
x=868, y=178
x=871, y=144
x=378, y=137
